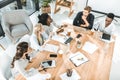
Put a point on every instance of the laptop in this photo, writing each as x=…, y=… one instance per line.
x=106, y=36
x=48, y=64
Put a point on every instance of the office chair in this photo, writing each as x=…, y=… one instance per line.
x=16, y=23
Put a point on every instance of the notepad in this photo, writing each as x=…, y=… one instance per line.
x=78, y=58
x=89, y=47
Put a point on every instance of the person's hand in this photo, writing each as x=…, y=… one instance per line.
x=65, y=24
x=84, y=18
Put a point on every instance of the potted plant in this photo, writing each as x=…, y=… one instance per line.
x=45, y=6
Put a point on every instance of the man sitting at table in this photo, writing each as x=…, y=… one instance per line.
x=84, y=19
x=106, y=25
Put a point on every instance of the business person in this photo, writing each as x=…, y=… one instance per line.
x=84, y=19
x=106, y=24
x=20, y=62
x=37, y=38
x=47, y=22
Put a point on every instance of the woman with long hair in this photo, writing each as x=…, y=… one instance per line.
x=37, y=38
x=20, y=61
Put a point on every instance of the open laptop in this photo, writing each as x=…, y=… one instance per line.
x=106, y=36
x=48, y=64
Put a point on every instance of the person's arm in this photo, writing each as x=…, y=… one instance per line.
x=97, y=26
x=54, y=24
x=91, y=21
x=45, y=35
x=113, y=29
x=85, y=21
x=20, y=66
x=76, y=19
x=32, y=73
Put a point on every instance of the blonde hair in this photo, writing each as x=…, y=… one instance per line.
x=38, y=27
x=88, y=8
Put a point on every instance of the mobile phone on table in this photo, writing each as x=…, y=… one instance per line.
x=53, y=55
x=68, y=40
x=78, y=36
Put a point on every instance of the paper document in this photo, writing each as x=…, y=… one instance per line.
x=78, y=58
x=51, y=48
x=59, y=38
x=75, y=76
x=89, y=47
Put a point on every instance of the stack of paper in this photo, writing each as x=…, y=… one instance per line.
x=51, y=48
x=89, y=47
x=78, y=58
x=75, y=76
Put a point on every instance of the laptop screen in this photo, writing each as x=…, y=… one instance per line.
x=48, y=63
x=106, y=36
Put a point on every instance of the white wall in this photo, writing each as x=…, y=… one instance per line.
x=80, y=4
x=106, y=6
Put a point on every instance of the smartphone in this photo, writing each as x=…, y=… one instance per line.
x=53, y=55
x=68, y=40
x=78, y=36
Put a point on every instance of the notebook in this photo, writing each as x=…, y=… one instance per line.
x=78, y=58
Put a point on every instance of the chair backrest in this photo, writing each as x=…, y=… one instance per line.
x=5, y=62
x=15, y=17
x=16, y=23
x=1, y=76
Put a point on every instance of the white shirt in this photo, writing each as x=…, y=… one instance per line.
x=32, y=74
x=34, y=43
x=100, y=25
x=49, y=29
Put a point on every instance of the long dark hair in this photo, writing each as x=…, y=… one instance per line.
x=43, y=18
x=20, y=50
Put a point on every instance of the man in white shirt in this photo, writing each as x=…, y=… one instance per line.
x=106, y=25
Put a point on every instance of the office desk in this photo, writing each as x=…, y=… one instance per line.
x=97, y=68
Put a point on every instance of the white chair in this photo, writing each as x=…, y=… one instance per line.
x=5, y=71
x=16, y=24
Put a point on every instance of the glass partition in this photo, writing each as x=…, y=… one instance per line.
x=28, y=5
